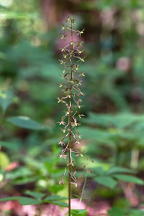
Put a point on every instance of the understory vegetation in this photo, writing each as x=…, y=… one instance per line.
x=107, y=176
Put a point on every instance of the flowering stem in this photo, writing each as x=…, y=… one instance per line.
x=70, y=136
x=71, y=55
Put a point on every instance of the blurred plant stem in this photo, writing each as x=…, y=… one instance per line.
x=134, y=158
x=38, y=211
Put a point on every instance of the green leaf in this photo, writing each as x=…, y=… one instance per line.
x=36, y=195
x=6, y=99
x=6, y=14
x=55, y=198
x=76, y=212
x=100, y=136
x=25, y=180
x=106, y=181
x=116, y=212
x=121, y=120
x=19, y=173
x=9, y=198
x=9, y=145
x=129, y=178
x=26, y=122
x=61, y=204
x=135, y=212
x=114, y=170
x=84, y=174
x=21, y=200
x=99, y=171
x=28, y=201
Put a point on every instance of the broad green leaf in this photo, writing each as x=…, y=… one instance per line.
x=55, y=198
x=117, y=212
x=36, y=195
x=121, y=120
x=106, y=181
x=76, y=212
x=99, y=119
x=26, y=122
x=6, y=99
x=28, y=201
x=9, y=198
x=135, y=212
x=100, y=136
x=59, y=203
x=99, y=171
x=84, y=174
x=9, y=145
x=25, y=180
x=94, y=164
x=19, y=173
x=22, y=200
x=5, y=14
x=114, y=170
x=129, y=178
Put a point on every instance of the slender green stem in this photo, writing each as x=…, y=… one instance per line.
x=69, y=157
x=70, y=139
x=69, y=183
x=82, y=193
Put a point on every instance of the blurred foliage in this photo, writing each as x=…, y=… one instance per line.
x=112, y=130
x=122, y=212
x=79, y=213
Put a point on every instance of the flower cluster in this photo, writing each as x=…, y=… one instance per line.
x=72, y=56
